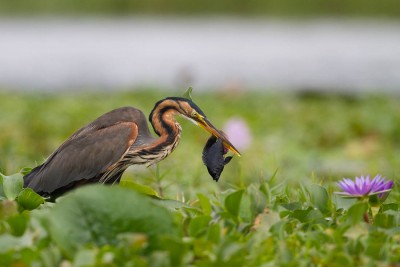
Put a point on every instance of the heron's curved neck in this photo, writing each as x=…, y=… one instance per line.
x=164, y=123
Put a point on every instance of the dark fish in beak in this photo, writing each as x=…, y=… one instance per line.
x=213, y=157
x=204, y=123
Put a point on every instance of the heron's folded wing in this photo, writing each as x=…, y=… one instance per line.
x=83, y=157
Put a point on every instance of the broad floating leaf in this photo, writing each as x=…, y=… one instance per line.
x=12, y=185
x=29, y=199
x=18, y=223
x=98, y=214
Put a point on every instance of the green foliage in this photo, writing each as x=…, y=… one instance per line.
x=28, y=199
x=100, y=215
x=11, y=189
x=119, y=225
x=139, y=188
x=11, y=185
x=227, y=7
x=275, y=206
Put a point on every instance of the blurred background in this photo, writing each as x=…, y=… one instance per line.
x=269, y=45
x=311, y=87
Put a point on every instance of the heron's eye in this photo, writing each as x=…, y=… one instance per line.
x=194, y=114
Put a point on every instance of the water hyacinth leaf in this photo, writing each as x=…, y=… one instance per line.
x=8, y=208
x=9, y=242
x=390, y=206
x=175, y=205
x=356, y=213
x=336, y=259
x=315, y=216
x=292, y=206
x=385, y=220
x=374, y=200
x=266, y=190
x=25, y=171
x=232, y=254
x=232, y=202
x=375, y=244
x=205, y=204
x=29, y=199
x=319, y=197
x=279, y=229
x=258, y=200
x=214, y=233
x=199, y=225
x=98, y=214
x=246, y=211
x=2, y=194
x=29, y=257
x=175, y=248
x=85, y=257
x=301, y=215
x=50, y=256
x=18, y=223
x=12, y=185
x=139, y=188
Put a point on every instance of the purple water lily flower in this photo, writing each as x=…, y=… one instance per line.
x=238, y=132
x=364, y=186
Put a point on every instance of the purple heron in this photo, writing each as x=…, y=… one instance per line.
x=102, y=150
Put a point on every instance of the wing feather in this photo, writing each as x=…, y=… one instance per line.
x=83, y=156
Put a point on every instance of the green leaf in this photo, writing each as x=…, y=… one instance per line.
x=385, y=220
x=319, y=197
x=175, y=205
x=29, y=199
x=12, y=185
x=98, y=214
x=188, y=94
x=205, y=204
x=139, y=188
x=199, y=225
x=374, y=200
x=8, y=208
x=300, y=215
x=2, y=194
x=390, y=206
x=176, y=249
x=85, y=257
x=25, y=171
x=232, y=202
x=9, y=242
x=18, y=223
x=257, y=200
x=356, y=213
x=214, y=233
x=279, y=229
x=375, y=244
x=292, y=206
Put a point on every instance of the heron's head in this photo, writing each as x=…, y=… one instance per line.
x=189, y=110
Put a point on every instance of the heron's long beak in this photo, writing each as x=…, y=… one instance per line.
x=204, y=123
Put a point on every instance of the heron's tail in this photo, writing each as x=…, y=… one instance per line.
x=29, y=179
